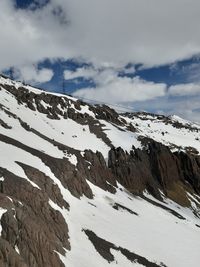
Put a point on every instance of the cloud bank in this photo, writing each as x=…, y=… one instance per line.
x=31, y=74
x=117, y=89
x=108, y=35
x=136, y=93
x=102, y=32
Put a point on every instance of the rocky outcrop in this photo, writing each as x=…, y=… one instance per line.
x=168, y=120
x=31, y=229
x=105, y=248
x=62, y=168
x=94, y=168
x=9, y=257
x=54, y=107
x=156, y=168
x=190, y=169
x=106, y=113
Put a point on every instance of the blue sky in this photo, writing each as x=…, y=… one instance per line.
x=130, y=53
x=25, y=4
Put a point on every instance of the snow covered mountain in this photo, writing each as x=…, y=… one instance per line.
x=82, y=186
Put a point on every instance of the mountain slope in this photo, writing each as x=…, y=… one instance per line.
x=81, y=185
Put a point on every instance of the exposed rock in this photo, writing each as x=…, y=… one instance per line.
x=104, y=112
x=32, y=224
x=154, y=168
x=9, y=257
x=104, y=247
x=118, y=206
x=5, y=125
x=94, y=168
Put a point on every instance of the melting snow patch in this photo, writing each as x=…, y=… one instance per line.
x=2, y=211
x=85, y=109
x=72, y=159
x=10, y=199
x=17, y=249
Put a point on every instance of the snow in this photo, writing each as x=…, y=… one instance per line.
x=2, y=211
x=85, y=109
x=183, y=121
x=17, y=249
x=123, y=138
x=122, y=260
x=75, y=135
x=135, y=233
x=10, y=199
x=72, y=159
x=44, y=104
x=67, y=132
x=20, y=134
x=78, y=136
x=13, y=154
x=18, y=84
x=155, y=233
x=187, y=213
x=154, y=128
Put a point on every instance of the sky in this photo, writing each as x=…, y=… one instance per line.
x=136, y=55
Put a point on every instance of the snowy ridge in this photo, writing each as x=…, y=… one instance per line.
x=60, y=183
x=172, y=131
x=161, y=129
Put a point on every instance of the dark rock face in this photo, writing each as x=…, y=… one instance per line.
x=9, y=257
x=62, y=168
x=156, y=168
x=190, y=166
x=104, y=247
x=133, y=170
x=46, y=184
x=31, y=224
x=94, y=168
x=118, y=206
x=106, y=113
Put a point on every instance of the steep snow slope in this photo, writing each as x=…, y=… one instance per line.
x=70, y=197
x=149, y=231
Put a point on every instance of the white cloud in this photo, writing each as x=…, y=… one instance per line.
x=112, y=88
x=138, y=94
x=187, y=107
x=188, y=89
x=109, y=35
x=190, y=72
x=32, y=74
x=129, y=70
x=86, y=72
x=102, y=32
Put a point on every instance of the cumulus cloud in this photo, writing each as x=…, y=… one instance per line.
x=32, y=74
x=85, y=72
x=117, y=89
x=103, y=32
x=185, y=107
x=108, y=35
x=189, y=89
x=190, y=72
x=137, y=94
